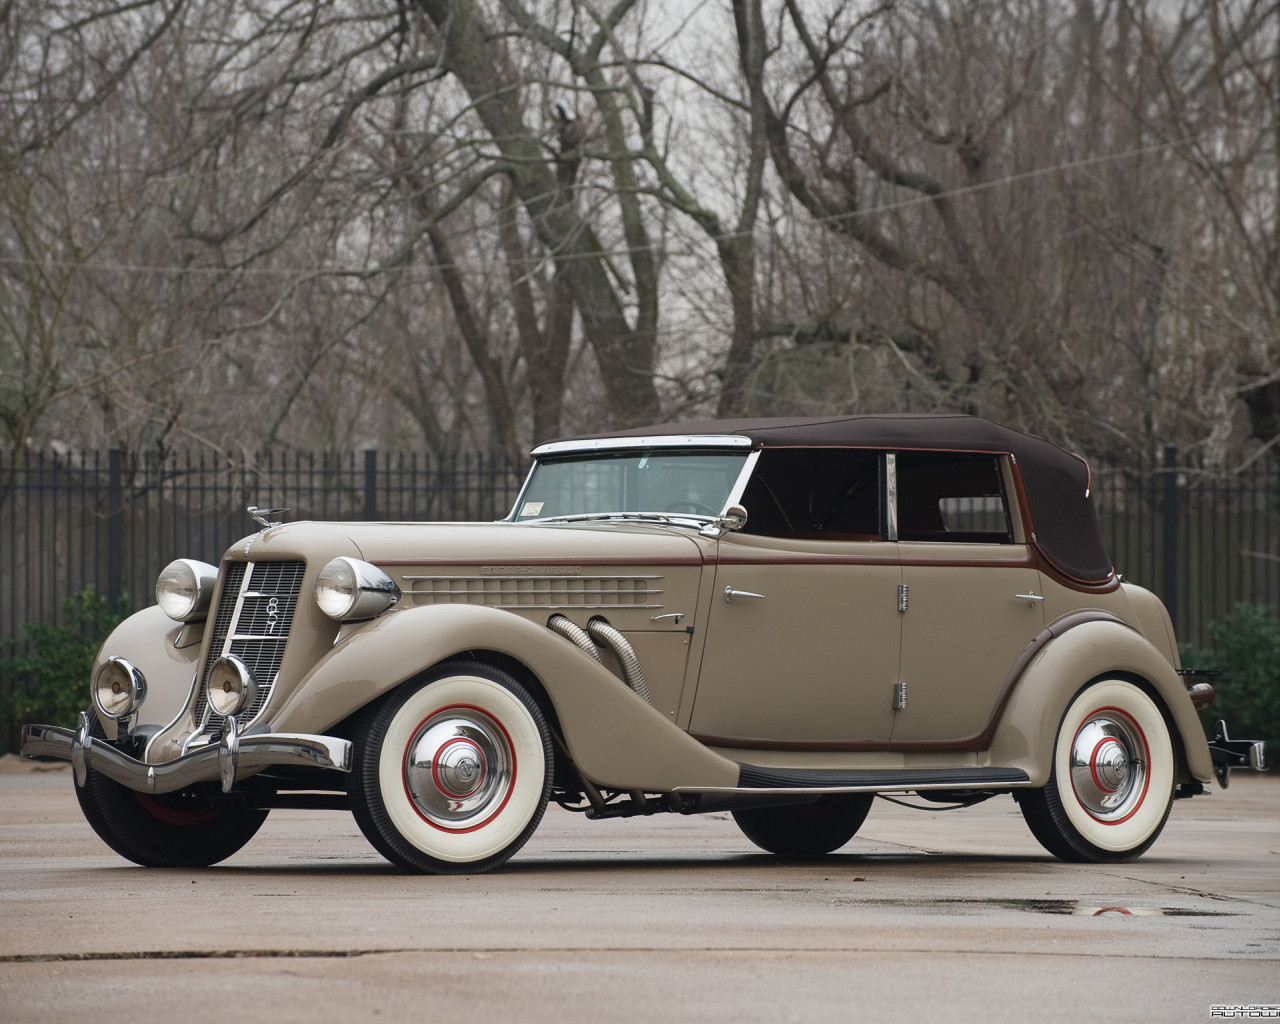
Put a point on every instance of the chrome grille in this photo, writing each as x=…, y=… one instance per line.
x=252, y=623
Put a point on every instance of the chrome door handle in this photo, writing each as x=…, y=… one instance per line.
x=730, y=594
x=1032, y=598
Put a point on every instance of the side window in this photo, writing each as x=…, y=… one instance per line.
x=952, y=497
x=822, y=493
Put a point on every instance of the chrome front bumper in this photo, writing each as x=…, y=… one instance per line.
x=225, y=760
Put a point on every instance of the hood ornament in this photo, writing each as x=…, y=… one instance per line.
x=259, y=515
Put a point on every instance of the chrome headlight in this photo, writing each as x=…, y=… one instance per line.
x=185, y=588
x=348, y=589
x=118, y=688
x=231, y=687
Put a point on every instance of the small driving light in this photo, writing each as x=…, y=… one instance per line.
x=348, y=589
x=118, y=688
x=231, y=686
x=184, y=588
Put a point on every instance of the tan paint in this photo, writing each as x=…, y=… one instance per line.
x=816, y=657
x=147, y=640
x=813, y=661
x=614, y=737
x=1028, y=729
x=963, y=630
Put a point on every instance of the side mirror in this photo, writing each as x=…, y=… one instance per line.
x=732, y=520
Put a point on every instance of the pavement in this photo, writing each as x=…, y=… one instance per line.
x=927, y=915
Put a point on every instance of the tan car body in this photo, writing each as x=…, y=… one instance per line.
x=618, y=740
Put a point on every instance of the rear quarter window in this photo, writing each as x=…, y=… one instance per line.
x=945, y=496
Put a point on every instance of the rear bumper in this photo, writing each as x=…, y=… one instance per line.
x=226, y=760
x=1228, y=754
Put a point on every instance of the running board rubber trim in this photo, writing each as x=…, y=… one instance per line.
x=872, y=779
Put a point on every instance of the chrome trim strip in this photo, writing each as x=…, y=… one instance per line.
x=245, y=594
x=744, y=476
x=531, y=607
x=656, y=441
x=301, y=750
x=186, y=706
x=550, y=574
x=891, y=495
x=901, y=787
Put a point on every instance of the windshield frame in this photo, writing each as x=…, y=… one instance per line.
x=658, y=445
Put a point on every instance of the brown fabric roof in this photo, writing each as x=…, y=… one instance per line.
x=1057, y=485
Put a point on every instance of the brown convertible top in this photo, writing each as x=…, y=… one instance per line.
x=1056, y=482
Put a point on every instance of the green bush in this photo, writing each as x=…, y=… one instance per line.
x=1246, y=649
x=50, y=682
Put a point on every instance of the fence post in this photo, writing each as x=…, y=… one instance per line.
x=370, y=484
x=1171, y=532
x=115, y=532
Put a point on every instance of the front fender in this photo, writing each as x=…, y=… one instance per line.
x=149, y=641
x=615, y=738
x=1028, y=729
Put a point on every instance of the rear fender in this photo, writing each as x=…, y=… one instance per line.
x=615, y=738
x=1028, y=729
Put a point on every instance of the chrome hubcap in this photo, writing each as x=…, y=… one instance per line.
x=1109, y=765
x=458, y=768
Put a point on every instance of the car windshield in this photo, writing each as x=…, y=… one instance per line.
x=688, y=483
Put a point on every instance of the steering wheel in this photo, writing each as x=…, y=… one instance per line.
x=692, y=505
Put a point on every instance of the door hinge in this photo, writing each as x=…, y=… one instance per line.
x=902, y=597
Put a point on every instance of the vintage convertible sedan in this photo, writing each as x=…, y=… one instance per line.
x=776, y=618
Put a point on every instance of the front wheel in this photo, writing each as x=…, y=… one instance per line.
x=452, y=772
x=806, y=830
x=1111, y=785
x=174, y=830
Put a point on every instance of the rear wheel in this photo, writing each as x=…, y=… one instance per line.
x=806, y=830
x=1111, y=785
x=452, y=773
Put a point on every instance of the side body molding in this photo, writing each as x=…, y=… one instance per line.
x=616, y=739
x=1065, y=656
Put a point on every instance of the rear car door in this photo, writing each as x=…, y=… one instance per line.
x=972, y=602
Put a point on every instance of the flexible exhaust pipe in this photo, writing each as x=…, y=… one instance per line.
x=608, y=637
x=575, y=634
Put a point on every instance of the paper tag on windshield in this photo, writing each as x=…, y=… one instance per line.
x=531, y=508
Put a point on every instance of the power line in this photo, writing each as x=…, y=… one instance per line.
x=619, y=251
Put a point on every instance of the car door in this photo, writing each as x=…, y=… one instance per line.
x=972, y=600
x=801, y=649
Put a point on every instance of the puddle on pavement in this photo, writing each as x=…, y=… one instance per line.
x=1079, y=908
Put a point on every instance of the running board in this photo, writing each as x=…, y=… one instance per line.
x=872, y=780
x=776, y=787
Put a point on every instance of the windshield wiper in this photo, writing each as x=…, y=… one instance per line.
x=670, y=518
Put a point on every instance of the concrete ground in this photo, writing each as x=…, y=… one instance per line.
x=925, y=916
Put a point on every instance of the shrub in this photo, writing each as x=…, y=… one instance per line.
x=50, y=681
x=1246, y=649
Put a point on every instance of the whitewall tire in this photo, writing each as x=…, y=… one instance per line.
x=453, y=771
x=1111, y=784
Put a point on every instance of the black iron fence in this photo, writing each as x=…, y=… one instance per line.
x=1201, y=540
x=113, y=520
